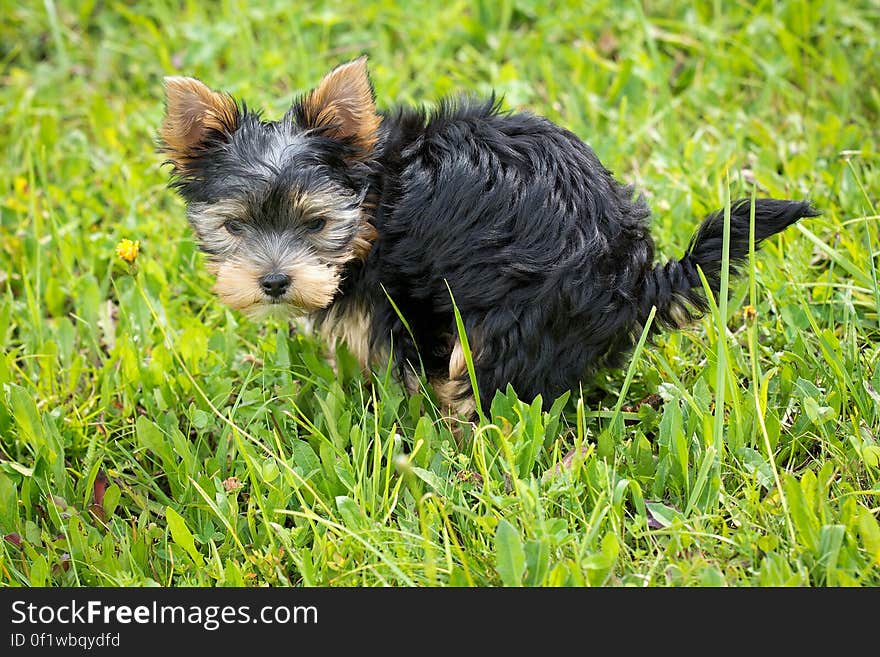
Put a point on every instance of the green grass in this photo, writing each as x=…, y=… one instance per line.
x=235, y=455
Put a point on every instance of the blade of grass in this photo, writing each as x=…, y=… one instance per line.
x=615, y=426
x=468, y=357
x=756, y=385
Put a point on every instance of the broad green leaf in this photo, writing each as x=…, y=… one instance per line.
x=351, y=513
x=805, y=522
x=8, y=504
x=111, y=499
x=26, y=415
x=537, y=561
x=39, y=574
x=200, y=419
x=599, y=565
x=830, y=541
x=510, y=558
x=182, y=536
x=869, y=531
x=151, y=436
x=663, y=514
x=435, y=482
x=232, y=574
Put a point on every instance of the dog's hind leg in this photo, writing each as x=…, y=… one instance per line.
x=454, y=393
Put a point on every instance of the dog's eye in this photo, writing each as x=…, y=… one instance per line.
x=234, y=227
x=315, y=225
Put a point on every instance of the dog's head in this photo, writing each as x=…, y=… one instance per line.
x=276, y=205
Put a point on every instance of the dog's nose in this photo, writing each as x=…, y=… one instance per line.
x=275, y=284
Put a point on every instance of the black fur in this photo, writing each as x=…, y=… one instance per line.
x=549, y=258
x=678, y=280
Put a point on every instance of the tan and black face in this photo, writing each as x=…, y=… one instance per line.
x=276, y=206
x=282, y=251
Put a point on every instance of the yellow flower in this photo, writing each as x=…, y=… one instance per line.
x=16, y=201
x=128, y=250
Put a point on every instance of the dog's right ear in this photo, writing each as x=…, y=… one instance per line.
x=195, y=119
x=344, y=106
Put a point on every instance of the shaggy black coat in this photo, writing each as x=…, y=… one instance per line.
x=548, y=257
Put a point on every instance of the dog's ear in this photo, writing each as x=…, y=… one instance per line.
x=195, y=118
x=343, y=104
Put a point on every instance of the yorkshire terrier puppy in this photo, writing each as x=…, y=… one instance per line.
x=358, y=217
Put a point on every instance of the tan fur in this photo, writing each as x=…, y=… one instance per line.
x=350, y=325
x=455, y=397
x=367, y=234
x=191, y=109
x=313, y=203
x=411, y=381
x=344, y=100
x=313, y=284
x=679, y=314
x=455, y=394
x=208, y=219
x=363, y=240
x=237, y=284
x=457, y=364
x=323, y=204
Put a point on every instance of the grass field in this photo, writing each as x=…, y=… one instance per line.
x=149, y=435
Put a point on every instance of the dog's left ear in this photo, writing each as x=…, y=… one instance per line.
x=343, y=103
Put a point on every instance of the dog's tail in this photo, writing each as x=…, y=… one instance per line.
x=675, y=288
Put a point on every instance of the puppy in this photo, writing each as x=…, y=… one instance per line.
x=375, y=223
